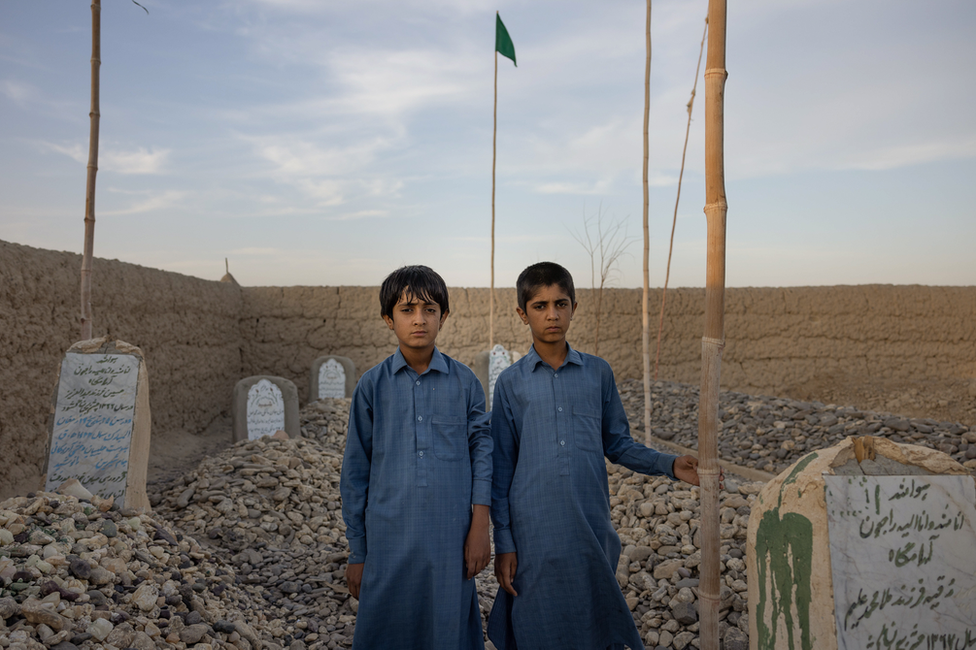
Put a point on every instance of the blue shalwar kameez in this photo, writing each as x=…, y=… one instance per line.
x=551, y=504
x=418, y=455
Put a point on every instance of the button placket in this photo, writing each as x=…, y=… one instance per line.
x=421, y=432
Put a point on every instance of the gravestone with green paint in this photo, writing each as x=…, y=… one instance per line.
x=864, y=547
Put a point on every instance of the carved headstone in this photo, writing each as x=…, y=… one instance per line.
x=264, y=405
x=331, y=376
x=901, y=558
x=866, y=544
x=101, y=426
x=487, y=367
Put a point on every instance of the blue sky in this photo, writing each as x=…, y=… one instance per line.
x=318, y=142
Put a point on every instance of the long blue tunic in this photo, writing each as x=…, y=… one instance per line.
x=418, y=455
x=551, y=504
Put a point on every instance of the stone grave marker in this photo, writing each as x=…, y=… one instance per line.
x=866, y=544
x=100, y=429
x=331, y=376
x=264, y=405
x=901, y=555
x=487, y=367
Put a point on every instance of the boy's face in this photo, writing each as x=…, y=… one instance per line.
x=416, y=323
x=548, y=314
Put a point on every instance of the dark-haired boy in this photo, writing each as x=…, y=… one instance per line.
x=416, y=482
x=556, y=415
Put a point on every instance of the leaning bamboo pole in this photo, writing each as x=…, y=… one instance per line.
x=494, y=139
x=713, y=341
x=86, y=260
x=677, y=200
x=645, y=316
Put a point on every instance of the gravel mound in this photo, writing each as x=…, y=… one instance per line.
x=247, y=550
x=770, y=433
x=78, y=574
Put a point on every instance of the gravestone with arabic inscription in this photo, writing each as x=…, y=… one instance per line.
x=866, y=544
x=331, y=376
x=264, y=405
x=100, y=428
x=901, y=555
x=487, y=367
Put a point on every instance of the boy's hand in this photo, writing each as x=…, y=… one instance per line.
x=354, y=578
x=477, y=548
x=686, y=469
x=505, y=565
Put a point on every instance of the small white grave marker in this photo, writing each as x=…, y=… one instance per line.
x=901, y=554
x=332, y=380
x=265, y=410
x=499, y=359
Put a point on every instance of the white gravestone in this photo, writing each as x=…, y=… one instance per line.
x=332, y=380
x=265, y=410
x=93, y=421
x=902, y=560
x=498, y=360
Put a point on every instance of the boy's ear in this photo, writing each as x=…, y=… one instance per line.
x=389, y=321
x=575, y=305
x=445, y=315
x=525, y=320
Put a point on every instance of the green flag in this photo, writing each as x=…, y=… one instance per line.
x=503, y=42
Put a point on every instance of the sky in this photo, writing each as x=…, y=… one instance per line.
x=314, y=142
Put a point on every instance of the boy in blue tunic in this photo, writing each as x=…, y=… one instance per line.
x=416, y=483
x=556, y=414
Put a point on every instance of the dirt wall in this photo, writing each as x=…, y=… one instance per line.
x=189, y=330
x=905, y=349
x=908, y=347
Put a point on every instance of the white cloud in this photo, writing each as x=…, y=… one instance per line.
x=152, y=203
x=140, y=161
x=19, y=92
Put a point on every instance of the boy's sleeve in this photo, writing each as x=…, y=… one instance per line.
x=479, y=444
x=504, y=458
x=354, y=480
x=619, y=446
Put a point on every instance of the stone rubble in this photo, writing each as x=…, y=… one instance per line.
x=770, y=433
x=247, y=550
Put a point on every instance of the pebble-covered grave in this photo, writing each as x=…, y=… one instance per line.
x=247, y=550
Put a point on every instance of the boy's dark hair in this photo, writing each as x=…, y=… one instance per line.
x=543, y=274
x=421, y=282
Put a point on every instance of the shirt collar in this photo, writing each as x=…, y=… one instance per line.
x=572, y=356
x=437, y=362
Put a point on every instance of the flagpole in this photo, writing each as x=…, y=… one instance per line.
x=494, y=135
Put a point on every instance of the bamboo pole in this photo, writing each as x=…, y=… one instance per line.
x=86, y=260
x=645, y=317
x=494, y=136
x=677, y=199
x=713, y=341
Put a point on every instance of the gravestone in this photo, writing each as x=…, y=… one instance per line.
x=487, y=367
x=100, y=428
x=331, y=376
x=264, y=405
x=901, y=559
x=867, y=544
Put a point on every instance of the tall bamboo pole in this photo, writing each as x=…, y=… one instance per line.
x=494, y=136
x=713, y=341
x=677, y=199
x=86, y=260
x=645, y=316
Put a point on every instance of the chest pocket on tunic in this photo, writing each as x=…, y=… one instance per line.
x=588, y=428
x=450, y=437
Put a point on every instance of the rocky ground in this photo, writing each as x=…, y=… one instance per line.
x=770, y=433
x=246, y=550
